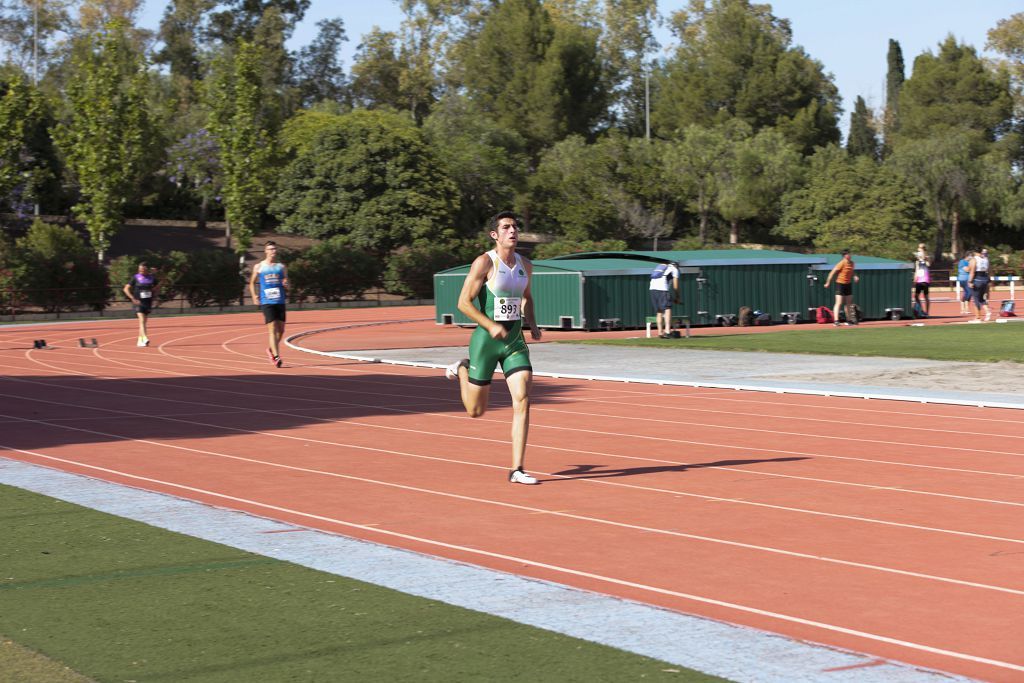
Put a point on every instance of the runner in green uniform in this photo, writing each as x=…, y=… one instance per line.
x=499, y=283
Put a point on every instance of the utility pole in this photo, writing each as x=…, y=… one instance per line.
x=35, y=60
x=647, y=104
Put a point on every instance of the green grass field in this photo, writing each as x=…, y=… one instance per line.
x=117, y=600
x=983, y=343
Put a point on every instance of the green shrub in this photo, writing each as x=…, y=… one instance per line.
x=332, y=270
x=55, y=270
x=206, y=277
x=410, y=270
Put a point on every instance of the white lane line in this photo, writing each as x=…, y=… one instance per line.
x=526, y=508
x=549, y=567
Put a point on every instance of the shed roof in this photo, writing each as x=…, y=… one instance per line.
x=593, y=266
x=706, y=257
x=864, y=262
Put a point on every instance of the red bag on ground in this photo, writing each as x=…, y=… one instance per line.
x=823, y=314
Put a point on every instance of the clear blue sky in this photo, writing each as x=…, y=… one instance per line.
x=850, y=37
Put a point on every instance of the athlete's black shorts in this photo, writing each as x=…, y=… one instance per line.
x=144, y=306
x=273, y=312
x=920, y=288
x=844, y=288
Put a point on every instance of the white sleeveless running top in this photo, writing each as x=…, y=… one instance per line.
x=507, y=281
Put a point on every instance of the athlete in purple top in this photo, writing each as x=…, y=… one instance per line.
x=141, y=289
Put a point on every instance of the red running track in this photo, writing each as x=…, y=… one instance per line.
x=887, y=528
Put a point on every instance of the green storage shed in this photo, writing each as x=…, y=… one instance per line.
x=884, y=288
x=602, y=291
x=774, y=282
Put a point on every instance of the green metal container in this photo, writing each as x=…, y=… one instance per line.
x=883, y=290
x=720, y=282
x=583, y=295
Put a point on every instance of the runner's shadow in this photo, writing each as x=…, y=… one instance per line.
x=594, y=471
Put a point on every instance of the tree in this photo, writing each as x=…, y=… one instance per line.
x=863, y=140
x=758, y=172
x=22, y=173
x=377, y=71
x=954, y=90
x=542, y=80
x=234, y=98
x=627, y=41
x=735, y=60
x=193, y=164
x=944, y=170
x=238, y=20
x=318, y=71
x=852, y=202
x=894, y=77
x=694, y=164
x=181, y=31
x=571, y=191
x=486, y=161
x=104, y=139
x=370, y=176
x=55, y=270
x=28, y=29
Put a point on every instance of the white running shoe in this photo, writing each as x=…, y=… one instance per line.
x=452, y=371
x=520, y=477
x=142, y=342
x=988, y=315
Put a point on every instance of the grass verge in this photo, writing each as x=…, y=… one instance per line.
x=119, y=600
x=981, y=343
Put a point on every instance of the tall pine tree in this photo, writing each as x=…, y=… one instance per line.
x=863, y=140
x=894, y=78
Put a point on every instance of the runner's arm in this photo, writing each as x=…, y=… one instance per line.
x=471, y=289
x=832, y=273
x=252, y=284
x=128, y=293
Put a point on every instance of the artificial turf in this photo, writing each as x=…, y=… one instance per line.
x=118, y=600
x=982, y=343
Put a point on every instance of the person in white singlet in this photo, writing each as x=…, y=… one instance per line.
x=499, y=284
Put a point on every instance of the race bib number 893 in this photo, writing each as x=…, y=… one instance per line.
x=507, y=308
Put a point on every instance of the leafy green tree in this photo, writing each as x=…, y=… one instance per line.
x=954, y=90
x=694, y=164
x=735, y=60
x=758, y=172
x=377, y=72
x=318, y=70
x=486, y=161
x=853, y=203
x=628, y=42
x=570, y=191
x=541, y=80
x=105, y=138
x=233, y=96
x=21, y=174
x=29, y=30
x=55, y=270
x=193, y=164
x=894, y=78
x=945, y=171
x=181, y=32
x=372, y=176
x=863, y=140
x=238, y=20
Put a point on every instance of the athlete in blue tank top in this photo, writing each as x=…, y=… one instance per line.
x=499, y=281
x=268, y=285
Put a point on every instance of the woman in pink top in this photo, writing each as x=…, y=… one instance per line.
x=922, y=280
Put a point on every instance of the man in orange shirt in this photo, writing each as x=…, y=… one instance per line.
x=843, y=273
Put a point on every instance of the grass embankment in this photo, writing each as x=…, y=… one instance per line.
x=118, y=600
x=983, y=343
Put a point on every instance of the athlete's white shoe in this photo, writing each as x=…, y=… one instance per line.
x=988, y=315
x=520, y=477
x=452, y=371
x=143, y=342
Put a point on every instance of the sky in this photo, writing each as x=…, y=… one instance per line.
x=849, y=37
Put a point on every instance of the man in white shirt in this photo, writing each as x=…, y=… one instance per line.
x=664, y=276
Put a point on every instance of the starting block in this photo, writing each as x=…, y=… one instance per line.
x=39, y=344
x=88, y=345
